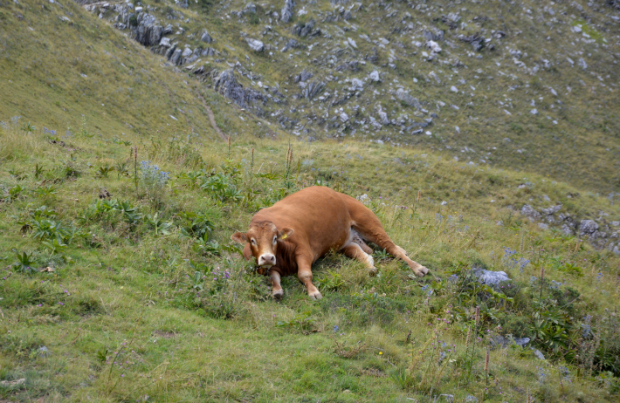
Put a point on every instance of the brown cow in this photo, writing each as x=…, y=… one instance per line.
x=292, y=234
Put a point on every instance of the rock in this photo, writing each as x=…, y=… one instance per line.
x=357, y=84
x=566, y=230
x=306, y=29
x=352, y=43
x=582, y=63
x=139, y=9
x=176, y=57
x=383, y=117
x=167, y=30
x=538, y=354
x=374, y=76
x=255, y=44
x=205, y=37
x=490, y=278
x=313, y=89
x=503, y=342
x=292, y=43
x=187, y=52
x=249, y=8
x=287, y=11
x=615, y=223
x=165, y=42
x=588, y=227
x=208, y=52
x=148, y=33
x=44, y=352
x=543, y=226
x=435, y=35
x=551, y=210
x=170, y=52
x=405, y=97
x=433, y=46
x=343, y=117
x=303, y=76
x=530, y=213
x=454, y=89
x=227, y=85
x=534, y=111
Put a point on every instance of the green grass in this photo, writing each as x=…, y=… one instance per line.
x=112, y=292
x=161, y=304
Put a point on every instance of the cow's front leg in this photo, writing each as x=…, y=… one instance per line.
x=277, y=290
x=304, y=273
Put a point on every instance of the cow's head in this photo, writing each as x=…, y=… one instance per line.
x=263, y=240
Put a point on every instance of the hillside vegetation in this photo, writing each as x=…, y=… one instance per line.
x=119, y=281
x=527, y=85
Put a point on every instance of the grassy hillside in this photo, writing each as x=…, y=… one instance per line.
x=144, y=294
x=525, y=85
x=120, y=282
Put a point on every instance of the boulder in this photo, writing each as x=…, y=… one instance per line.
x=205, y=37
x=303, y=76
x=405, y=97
x=374, y=76
x=226, y=84
x=491, y=278
x=587, y=227
x=187, y=52
x=148, y=33
x=287, y=11
x=176, y=57
x=313, y=89
x=255, y=44
x=357, y=84
x=530, y=213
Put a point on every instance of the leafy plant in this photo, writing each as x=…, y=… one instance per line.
x=25, y=263
x=14, y=193
x=159, y=226
x=302, y=322
x=195, y=225
x=38, y=171
x=44, y=191
x=28, y=127
x=104, y=171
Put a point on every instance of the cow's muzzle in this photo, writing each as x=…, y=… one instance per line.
x=266, y=260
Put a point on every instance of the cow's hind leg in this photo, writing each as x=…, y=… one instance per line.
x=371, y=229
x=354, y=251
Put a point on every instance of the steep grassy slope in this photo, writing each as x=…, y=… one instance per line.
x=79, y=74
x=525, y=84
x=123, y=287
x=147, y=299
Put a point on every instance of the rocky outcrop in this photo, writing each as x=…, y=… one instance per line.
x=287, y=11
x=226, y=84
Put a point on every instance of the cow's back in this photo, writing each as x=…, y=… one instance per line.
x=318, y=215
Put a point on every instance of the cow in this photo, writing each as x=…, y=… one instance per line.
x=288, y=237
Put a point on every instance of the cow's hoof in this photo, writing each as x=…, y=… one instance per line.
x=315, y=296
x=277, y=295
x=421, y=271
x=373, y=271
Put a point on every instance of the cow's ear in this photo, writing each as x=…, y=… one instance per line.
x=239, y=237
x=285, y=233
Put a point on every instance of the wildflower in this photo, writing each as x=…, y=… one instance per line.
x=335, y=328
x=60, y=303
x=380, y=352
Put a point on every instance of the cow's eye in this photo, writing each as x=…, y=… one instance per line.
x=253, y=241
x=275, y=239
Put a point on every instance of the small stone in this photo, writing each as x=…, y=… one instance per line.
x=206, y=37
x=454, y=89
x=534, y=111
x=256, y=45
x=374, y=76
